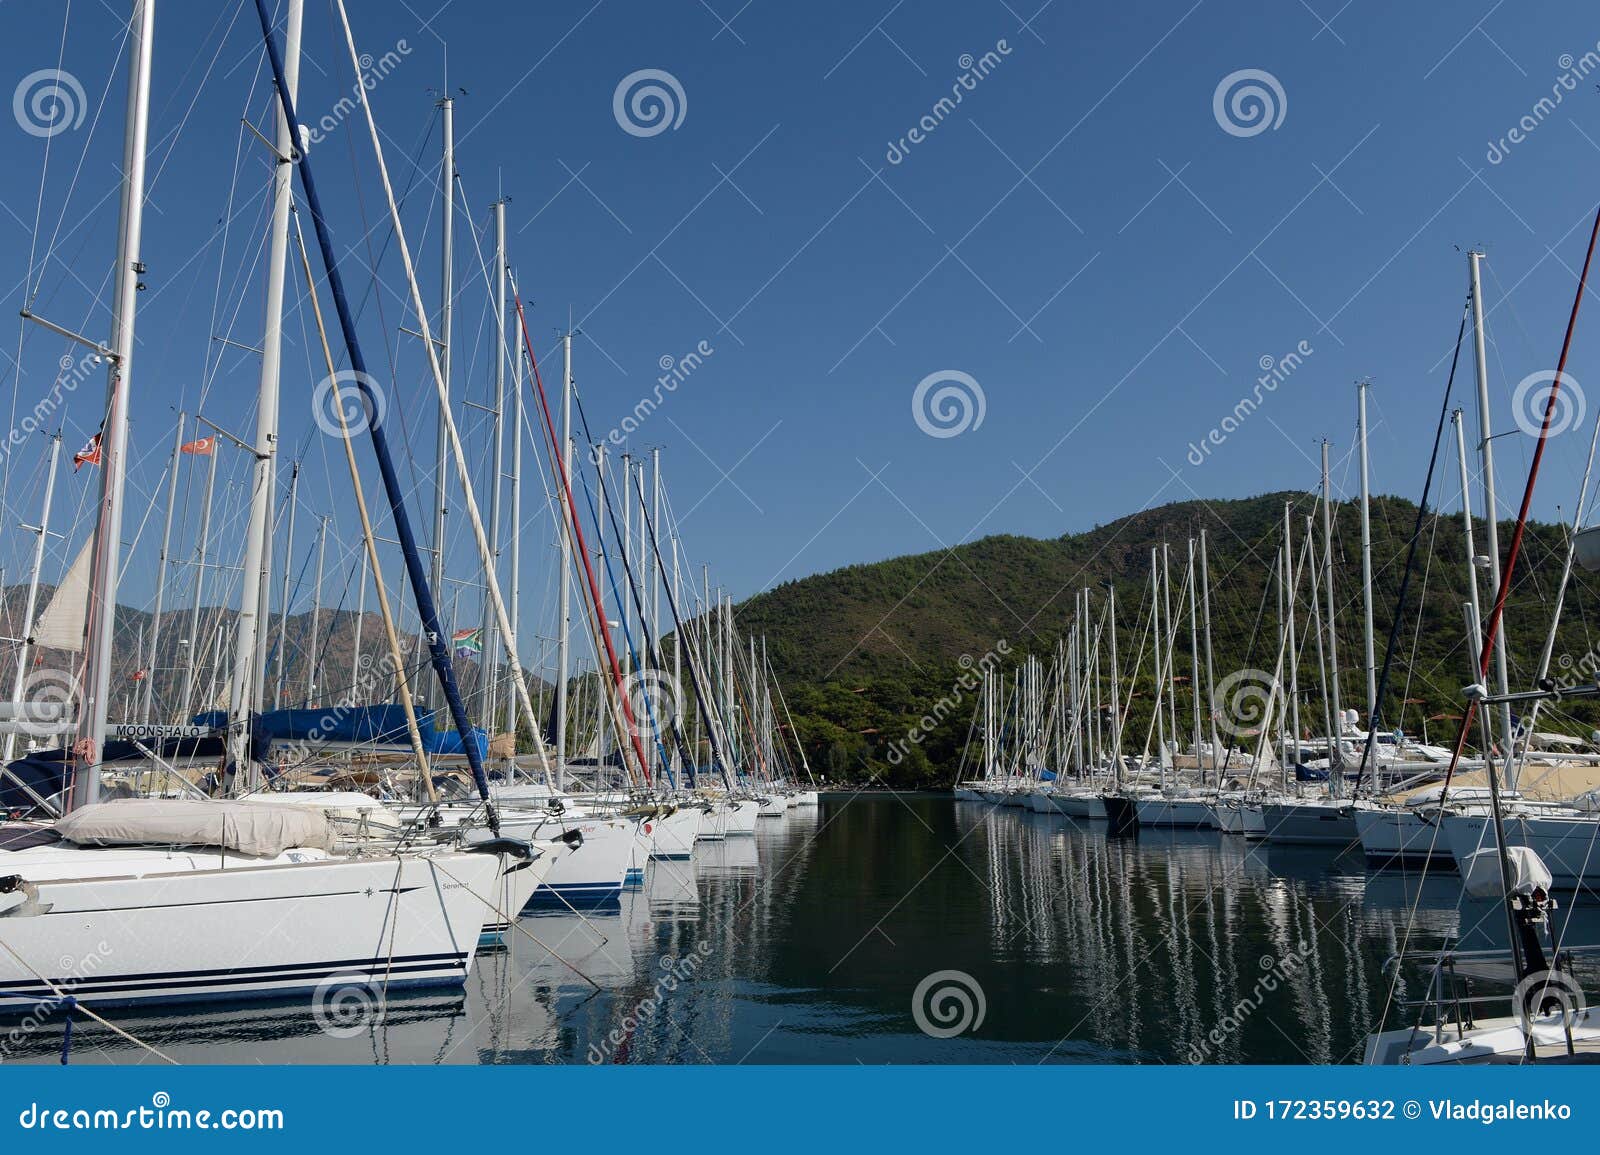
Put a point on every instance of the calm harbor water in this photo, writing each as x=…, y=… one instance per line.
x=807, y=945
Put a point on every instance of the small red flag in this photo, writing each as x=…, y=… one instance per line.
x=201, y=448
x=88, y=455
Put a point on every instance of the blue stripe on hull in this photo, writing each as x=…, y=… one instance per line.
x=156, y=986
x=548, y=895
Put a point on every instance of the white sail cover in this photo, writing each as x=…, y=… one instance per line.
x=245, y=827
x=1480, y=872
x=60, y=627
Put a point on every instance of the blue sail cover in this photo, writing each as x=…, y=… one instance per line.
x=361, y=725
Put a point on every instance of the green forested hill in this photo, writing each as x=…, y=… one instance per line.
x=864, y=651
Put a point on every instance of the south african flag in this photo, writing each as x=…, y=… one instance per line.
x=467, y=643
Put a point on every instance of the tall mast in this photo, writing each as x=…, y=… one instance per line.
x=314, y=657
x=1366, y=554
x=192, y=648
x=564, y=608
x=100, y=631
x=709, y=658
x=489, y=663
x=1291, y=593
x=283, y=606
x=1335, y=752
x=447, y=233
x=1211, y=685
x=603, y=513
x=370, y=563
x=1116, y=692
x=655, y=571
x=1283, y=643
x=243, y=696
x=989, y=746
x=1194, y=651
x=1160, y=695
x=361, y=617
x=1475, y=609
x=439, y=646
x=674, y=598
x=625, y=548
x=42, y=533
x=1171, y=643
x=1092, y=672
x=1074, y=687
x=1490, y=512
x=161, y=575
x=427, y=611
x=516, y=493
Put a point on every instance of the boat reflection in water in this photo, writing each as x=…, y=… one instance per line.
x=808, y=943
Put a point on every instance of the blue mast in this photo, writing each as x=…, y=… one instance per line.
x=438, y=650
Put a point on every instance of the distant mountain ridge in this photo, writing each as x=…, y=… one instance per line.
x=863, y=650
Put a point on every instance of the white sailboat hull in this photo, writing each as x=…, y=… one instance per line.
x=1495, y=1040
x=1081, y=805
x=1391, y=836
x=1188, y=813
x=673, y=835
x=714, y=823
x=1569, y=846
x=596, y=870
x=245, y=932
x=742, y=818
x=1310, y=822
x=1238, y=816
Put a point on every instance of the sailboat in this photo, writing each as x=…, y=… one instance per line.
x=1550, y=1020
x=1328, y=820
x=198, y=898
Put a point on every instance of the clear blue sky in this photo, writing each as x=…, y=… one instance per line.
x=1079, y=235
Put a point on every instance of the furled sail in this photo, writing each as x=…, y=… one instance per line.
x=60, y=627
